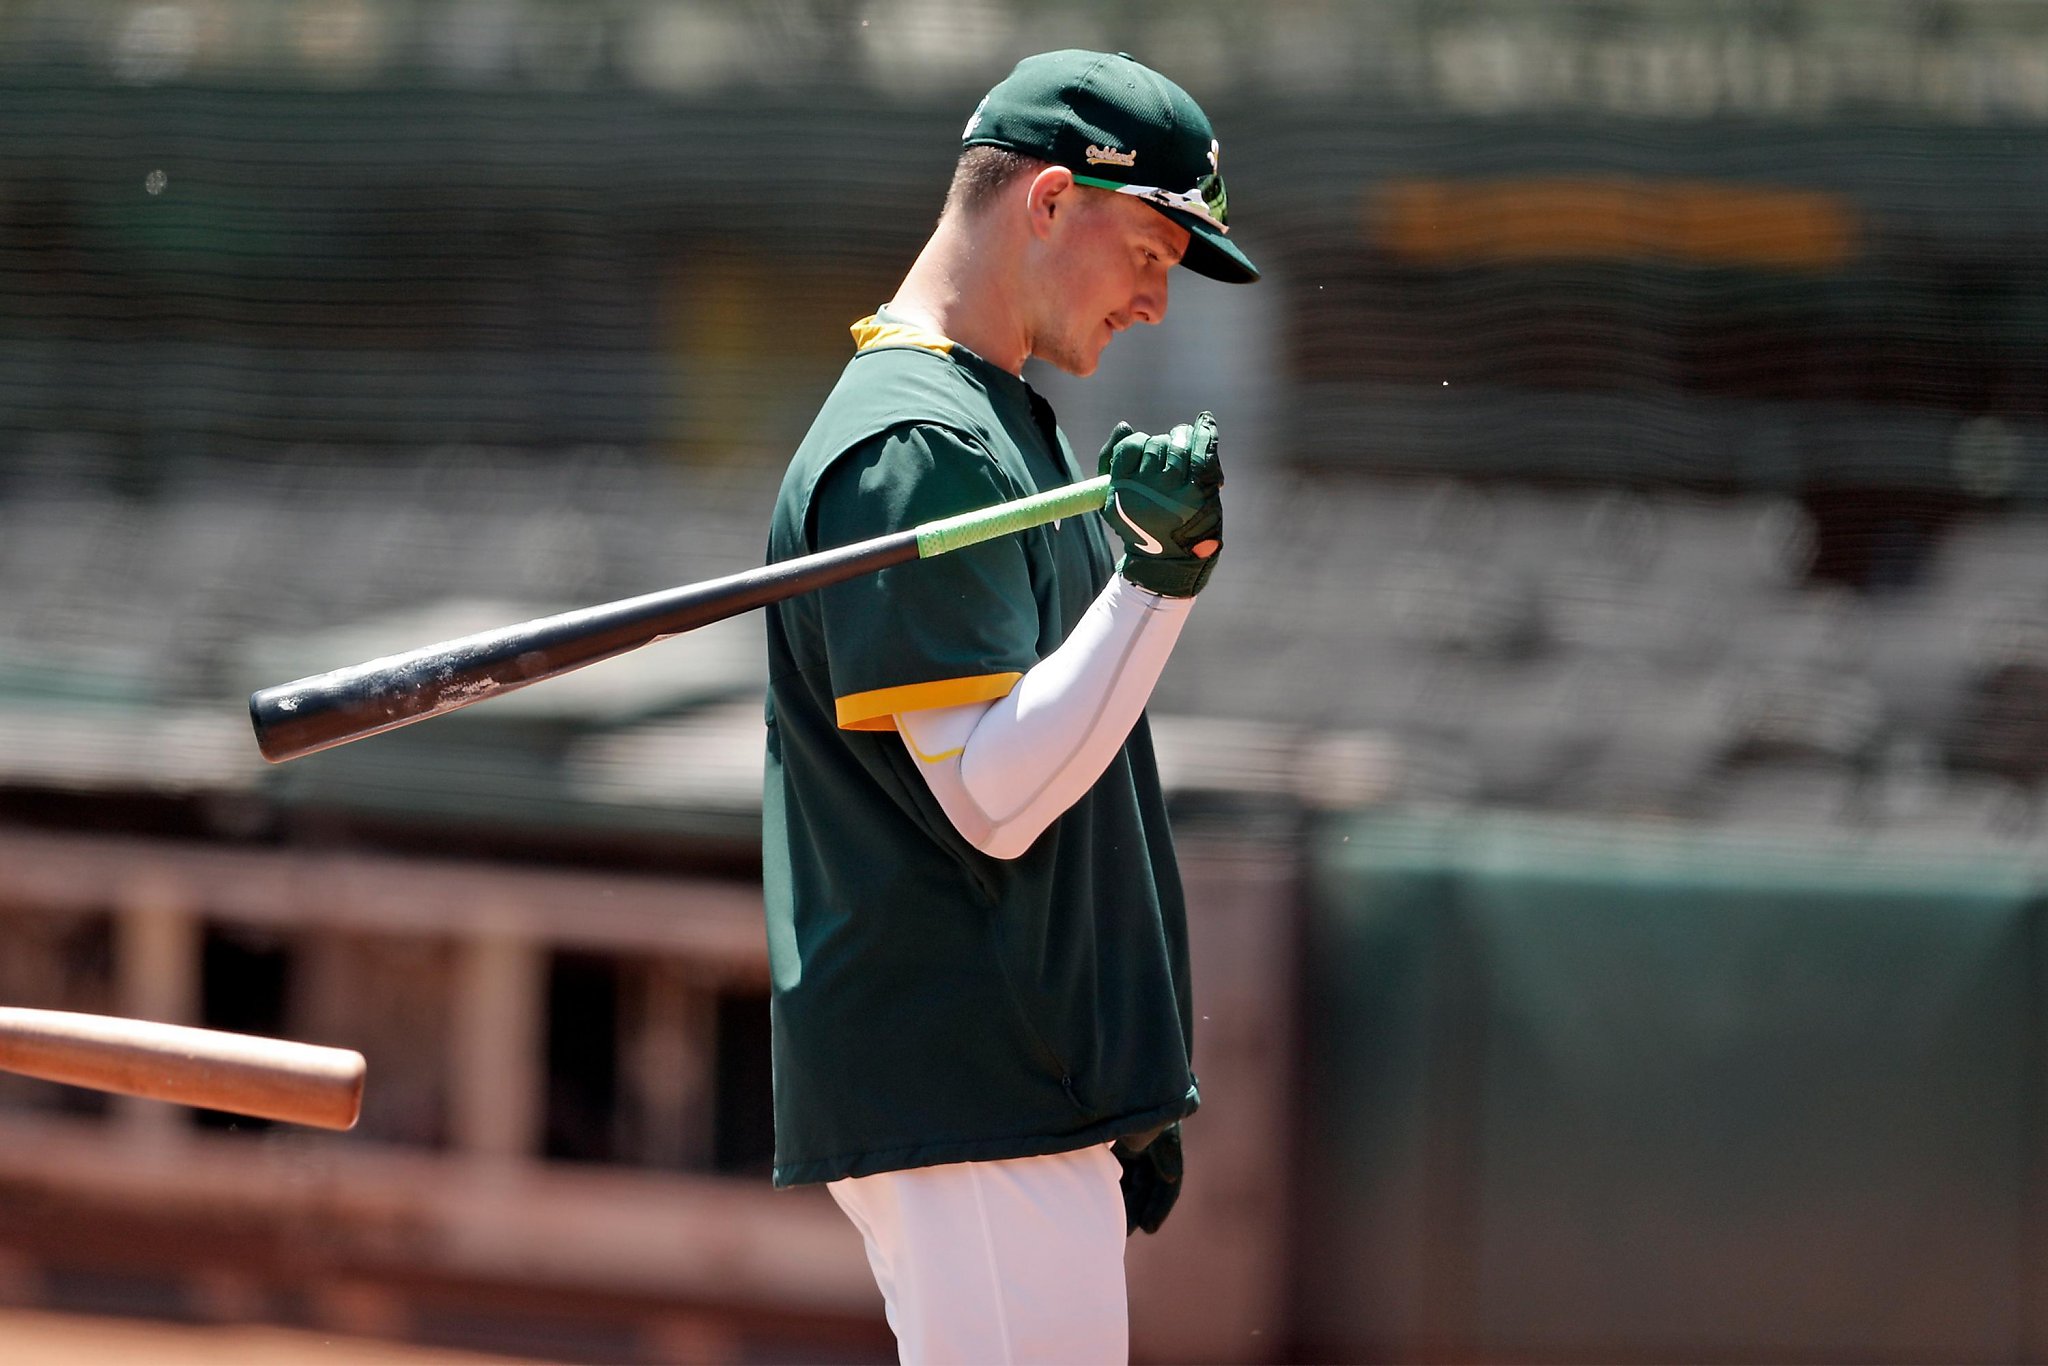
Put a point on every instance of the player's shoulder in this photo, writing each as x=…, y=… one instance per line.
x=903, y=411
x=905, y=424
x=893, y=387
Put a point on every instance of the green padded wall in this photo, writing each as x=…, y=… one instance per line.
x=1575, y=1094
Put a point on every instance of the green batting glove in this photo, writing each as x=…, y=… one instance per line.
x=1165, y=503
x=1150, y=1179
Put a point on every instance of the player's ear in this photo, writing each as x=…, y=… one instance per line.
x=1052, y=192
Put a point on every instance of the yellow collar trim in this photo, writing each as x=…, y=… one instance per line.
x=873, y=331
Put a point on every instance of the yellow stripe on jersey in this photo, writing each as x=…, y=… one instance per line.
x=876, y=709
x=873, y=331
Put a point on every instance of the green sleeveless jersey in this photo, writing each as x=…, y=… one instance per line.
x=932, y=1004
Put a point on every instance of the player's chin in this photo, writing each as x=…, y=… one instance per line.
x=1075, y=361
x=1084, y=358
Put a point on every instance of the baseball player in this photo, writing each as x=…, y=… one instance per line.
x=975, y=923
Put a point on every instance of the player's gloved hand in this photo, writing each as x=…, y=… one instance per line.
x=1151, y=1180
x=1166, y=503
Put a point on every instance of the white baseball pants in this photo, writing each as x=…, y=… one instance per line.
x=999, y=1263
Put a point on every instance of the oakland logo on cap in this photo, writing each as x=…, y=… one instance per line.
x=1110, y=156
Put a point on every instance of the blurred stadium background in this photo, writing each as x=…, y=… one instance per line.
x=1609, y=769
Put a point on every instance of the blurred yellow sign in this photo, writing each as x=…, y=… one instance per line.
x=1562, y=218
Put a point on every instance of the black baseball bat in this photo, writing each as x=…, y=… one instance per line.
x=319, y=712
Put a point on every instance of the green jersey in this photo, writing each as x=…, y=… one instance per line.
x=932, y=1004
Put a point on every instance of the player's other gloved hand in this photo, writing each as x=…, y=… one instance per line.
x=1151, y=1180
x=1165, y=501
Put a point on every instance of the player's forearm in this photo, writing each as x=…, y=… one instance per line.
x=1003, y=771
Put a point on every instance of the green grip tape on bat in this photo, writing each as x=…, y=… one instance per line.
x=972, y=528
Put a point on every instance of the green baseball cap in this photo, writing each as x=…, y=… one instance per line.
x=1119, y=125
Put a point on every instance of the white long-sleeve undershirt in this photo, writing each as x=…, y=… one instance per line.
x=1003, y=771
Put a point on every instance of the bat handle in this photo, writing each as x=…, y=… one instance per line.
x=985, y=524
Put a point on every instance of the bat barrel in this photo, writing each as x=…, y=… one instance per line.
x=269, y=1078
x=311, y=714
x=319, y=712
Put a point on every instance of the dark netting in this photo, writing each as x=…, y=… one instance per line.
x=1644, y=410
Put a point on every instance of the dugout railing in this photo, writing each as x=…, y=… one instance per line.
x=564, y=1138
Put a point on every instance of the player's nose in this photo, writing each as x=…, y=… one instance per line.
x=1149, y=304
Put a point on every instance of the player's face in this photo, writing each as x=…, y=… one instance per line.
x=1110, y=273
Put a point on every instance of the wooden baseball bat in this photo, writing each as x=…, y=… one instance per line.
x=325, y=710
x=299, y=1083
